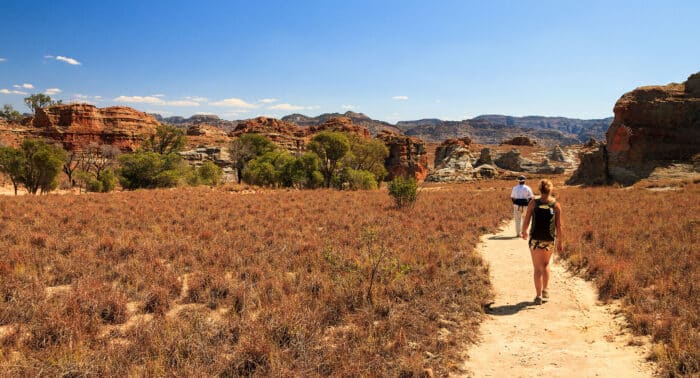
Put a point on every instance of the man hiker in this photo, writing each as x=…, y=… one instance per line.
x=521, y=196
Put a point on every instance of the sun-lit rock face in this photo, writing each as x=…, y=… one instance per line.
x=653, y=126
x=407, y=156
x=77, y=125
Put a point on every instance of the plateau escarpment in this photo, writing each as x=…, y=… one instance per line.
x=77, y=125
x=654, y=126
x=493, y=129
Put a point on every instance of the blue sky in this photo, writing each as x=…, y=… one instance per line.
x=392, y=60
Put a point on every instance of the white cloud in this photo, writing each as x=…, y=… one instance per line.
x=291, y=107
x=68, y=60
x=157, y=95
x=154, y=100
x=3, y=60
x=268, y=100
x=234, y=103
x=400, y=98
x=24, y=86
x=52, y=91
x=197, y=98
x=7, y=91
x=348, y=107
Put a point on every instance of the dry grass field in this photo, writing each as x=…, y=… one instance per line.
x=196, y=281
x=642, y=245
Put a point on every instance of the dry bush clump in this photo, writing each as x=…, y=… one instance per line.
x=643, y=246
x=196, y=281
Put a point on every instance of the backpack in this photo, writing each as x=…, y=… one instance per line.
x=543, y=221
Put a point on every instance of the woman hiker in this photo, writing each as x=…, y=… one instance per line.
x=545, y=234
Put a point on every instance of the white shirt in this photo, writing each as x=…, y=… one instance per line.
x=521, y=191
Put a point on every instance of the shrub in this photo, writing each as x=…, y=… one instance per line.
x=404, y=191
x=150, y=170
x=210, y=173
x=360, y=180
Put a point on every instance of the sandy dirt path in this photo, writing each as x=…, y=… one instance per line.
x=572, y=335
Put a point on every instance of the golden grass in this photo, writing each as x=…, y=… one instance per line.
x=642, y=246
x=196, y=281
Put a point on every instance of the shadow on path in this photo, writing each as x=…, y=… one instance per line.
x=502, y=237
x=509, y=309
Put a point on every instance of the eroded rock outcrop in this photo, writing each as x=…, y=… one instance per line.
x=77, y=125
x=654, y=126
x=284, y=134
x=341, y=124
x=520, y=141
x=407, y=156
x=453, y=162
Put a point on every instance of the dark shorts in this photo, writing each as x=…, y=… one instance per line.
x=541, y=244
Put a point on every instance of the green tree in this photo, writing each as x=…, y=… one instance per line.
x=39, y=100
x=12, y=164
x=43, y=163
x=144, y=169
x=166, y=140
x=210, y=173
x=10, y=114
x=367, y=155
x=268, y=169
x=246, y=148
x=331, y=147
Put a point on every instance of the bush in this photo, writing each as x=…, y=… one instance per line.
x=360, y=180
x=404, y=191
x=151, y=170
x=210, y=173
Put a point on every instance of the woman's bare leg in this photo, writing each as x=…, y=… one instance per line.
x=540, y=263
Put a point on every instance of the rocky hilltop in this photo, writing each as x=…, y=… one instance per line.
x=375, y=127
x=196, y=120
x=492, y=129
x=77, y=125
x=654, y=126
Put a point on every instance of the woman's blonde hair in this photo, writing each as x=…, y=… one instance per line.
x=546, y=186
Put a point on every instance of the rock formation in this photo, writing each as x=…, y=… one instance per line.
x=342, y=124
x=284, y=134
x=407, y=156
x=520, y=141
x=203, y=129
x=453, y=162
x=77, y=125
x=485, y=157
x=557, y=154
x=654, y=126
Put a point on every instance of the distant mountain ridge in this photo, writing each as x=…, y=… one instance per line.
x=484, y=129
x=359, y=119
x=493, y=129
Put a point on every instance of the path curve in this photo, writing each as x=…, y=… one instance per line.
x=572, y=335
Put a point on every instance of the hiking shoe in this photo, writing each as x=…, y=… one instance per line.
x=538, y=300
x=545, y=295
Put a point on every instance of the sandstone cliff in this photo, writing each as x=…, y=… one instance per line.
x=77, y=125
x=407, y=156
x=654, y=126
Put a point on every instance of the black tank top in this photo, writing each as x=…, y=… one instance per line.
x=543, y=221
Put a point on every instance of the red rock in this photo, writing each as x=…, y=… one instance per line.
x=342, y=124
x=653, y=126
x=520, y=141
x=77, y=125
x=203, y=129
x=407, y=156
